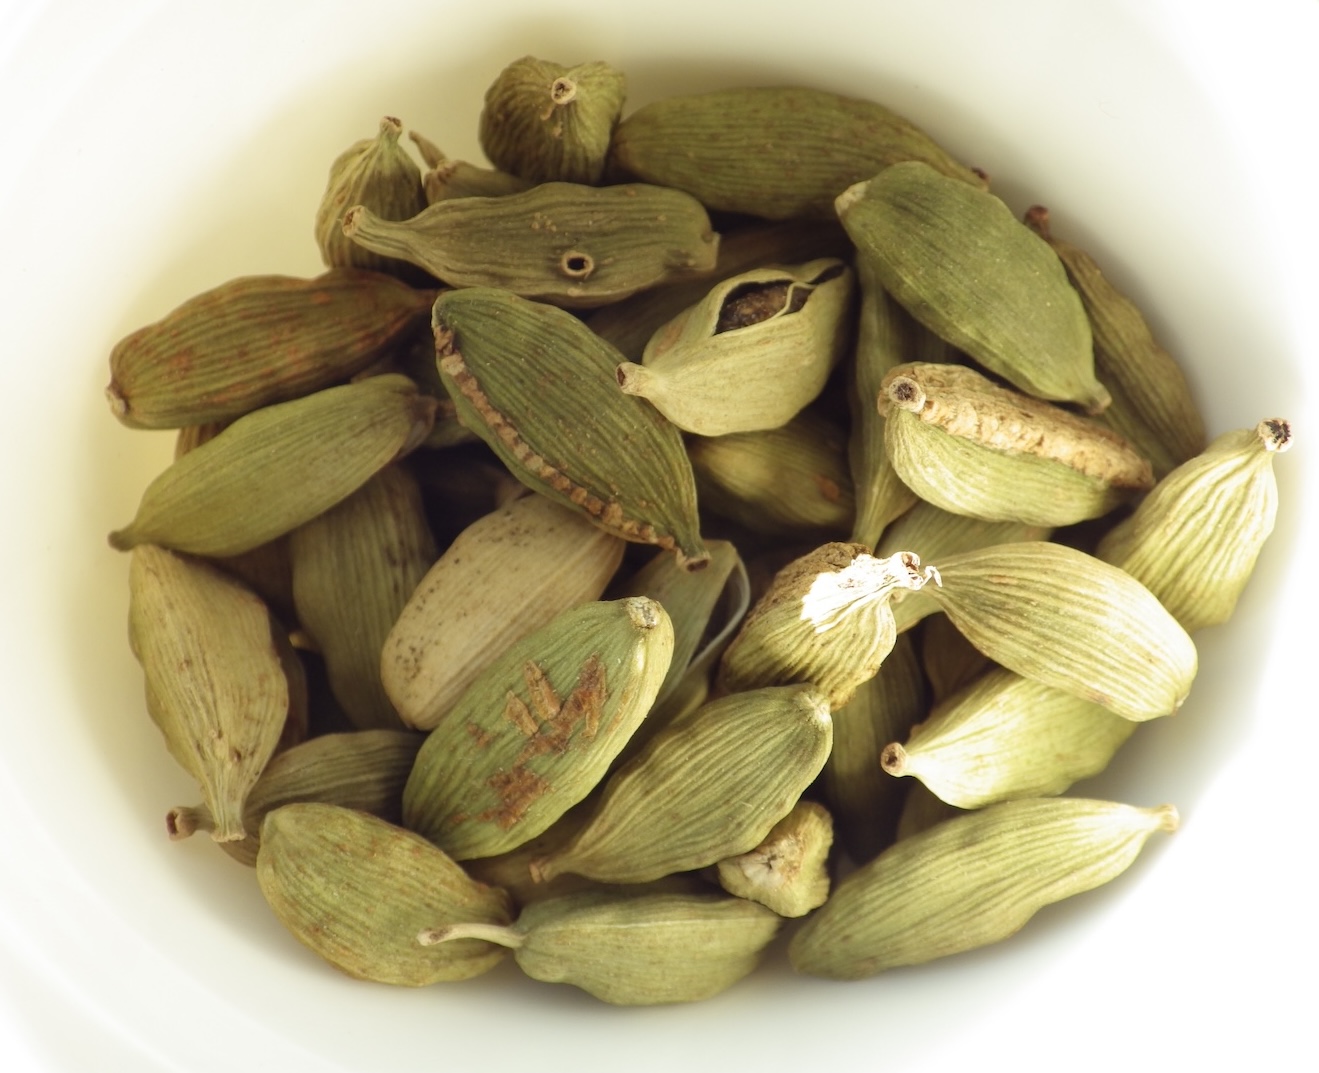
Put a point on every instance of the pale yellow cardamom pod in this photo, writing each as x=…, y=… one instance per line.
x=1004, y=737
x=970, y=881
x=825, y=619
x=749, y=356
x=971, y=447
x=1194, y=540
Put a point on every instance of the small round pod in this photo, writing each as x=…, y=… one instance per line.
x=378, y=173
x=545, y=122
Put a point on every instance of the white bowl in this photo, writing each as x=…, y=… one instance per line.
x=155, y=149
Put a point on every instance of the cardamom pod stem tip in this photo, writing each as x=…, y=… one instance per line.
x=1169, y=818
x=491, y=933
x=184, y=821
x=893, y=759
x=1275, y=434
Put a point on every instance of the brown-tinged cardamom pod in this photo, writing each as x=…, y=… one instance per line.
x=1004, y=737
x=964, y=266
x=971, y=447
x=356, y=890
x=752, y=353
x=776, y=152
x=1152, y=402
x=538, y=728
x=629, y=324
x=572, y=245
x=787, y=872
x=786, y=481
x=865, y=802
x=538, y=386
x=636, y=949
x=1058, y=616
x=707, y=787
x=933, y=534
x=970, y=881
x=279, y=467
x=257, y=340
x=1194, y=540
x=826, y=619
x=378, y=173
x=361, y=769
x=215, y=683
x=505, y=576
x=545, y=122
x=354, y=568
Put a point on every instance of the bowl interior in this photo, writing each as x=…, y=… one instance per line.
x=170, y=148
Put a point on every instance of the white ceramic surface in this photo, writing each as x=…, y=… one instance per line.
x=153, y=149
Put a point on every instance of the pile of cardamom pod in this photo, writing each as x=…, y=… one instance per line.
x=605, y=529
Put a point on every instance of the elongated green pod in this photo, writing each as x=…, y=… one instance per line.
x=356, y=890
x=710, y=786
x=970, y=881
x=538, y=728
x=576, y=246
x=538, y=386
x=963, y=265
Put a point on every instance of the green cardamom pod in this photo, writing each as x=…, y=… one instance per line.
x=572, y=245
x=970, y=881
x=451, y=179
x=864, y=801
x=362, y=769
x=886, y=336
x=934, y=534
x=254, y=341
x=378, y=173
x=1005, y=737
x=279, y=467
x=707, y=787
x=538, y=728
x=750, y=355
x=776, y=152
x=921, y=810
x=691, y=599
x=965, y=444
x=787, y=481
x=1058, y=616
x=949, y=660
x=1194, y=540
x=265, y=569
x=1152, y=402
x=354, y=568
x=538, y=386
x=215, y=682
x=825, y=619
x=632, y=949
x=545, y=122
x=357, y=890
x=787, y=872
x=960, y=262
x=629, y=324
